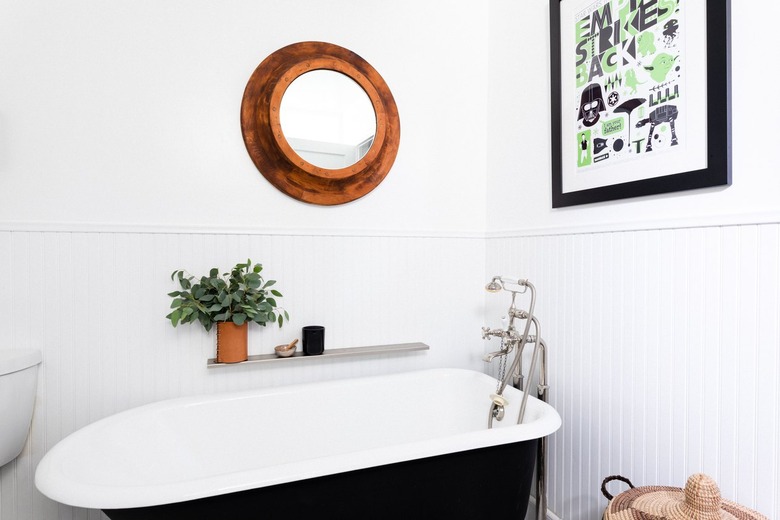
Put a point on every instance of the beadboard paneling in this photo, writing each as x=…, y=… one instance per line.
x=664, y=358
x=94, y=303
x=664, y=344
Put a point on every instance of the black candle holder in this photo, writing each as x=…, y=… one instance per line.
x=313, y=340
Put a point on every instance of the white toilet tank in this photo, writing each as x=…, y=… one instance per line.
x=18, y=384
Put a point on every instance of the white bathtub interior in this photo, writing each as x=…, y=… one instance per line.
x=194, y=447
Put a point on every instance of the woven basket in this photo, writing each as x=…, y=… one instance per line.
x=700, y=500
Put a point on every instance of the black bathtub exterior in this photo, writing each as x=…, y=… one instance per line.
x=490, y=483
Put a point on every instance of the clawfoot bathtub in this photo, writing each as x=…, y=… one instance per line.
x=402, y=445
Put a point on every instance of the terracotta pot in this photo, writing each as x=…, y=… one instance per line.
x=231, y=342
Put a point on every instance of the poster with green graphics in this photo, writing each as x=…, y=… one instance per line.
x=629, y=80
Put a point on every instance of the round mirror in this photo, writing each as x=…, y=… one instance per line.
x=274, y=120
x=328, y=119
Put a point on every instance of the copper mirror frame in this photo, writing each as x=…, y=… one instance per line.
x=273, y=155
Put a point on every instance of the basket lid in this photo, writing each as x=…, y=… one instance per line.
x=700, y=500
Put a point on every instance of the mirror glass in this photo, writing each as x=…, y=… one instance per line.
x=328, y=119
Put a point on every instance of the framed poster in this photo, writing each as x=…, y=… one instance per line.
x=641, y=100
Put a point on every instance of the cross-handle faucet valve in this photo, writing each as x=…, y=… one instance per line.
x=487, y=332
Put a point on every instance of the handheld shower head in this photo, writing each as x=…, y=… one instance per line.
x=495, y=285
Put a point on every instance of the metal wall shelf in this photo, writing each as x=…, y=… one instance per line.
x=328, y=354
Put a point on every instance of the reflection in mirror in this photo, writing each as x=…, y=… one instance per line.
x=328, y=119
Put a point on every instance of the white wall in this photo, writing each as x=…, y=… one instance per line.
x=664, y=356
x=661, y=313
x=519, y=135
x=127, y=112
x=121, y=159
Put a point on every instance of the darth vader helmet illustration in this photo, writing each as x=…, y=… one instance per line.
x=591, y=104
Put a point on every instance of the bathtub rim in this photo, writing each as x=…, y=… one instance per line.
x=53, y=482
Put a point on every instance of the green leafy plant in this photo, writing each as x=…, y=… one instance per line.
x=240, y=296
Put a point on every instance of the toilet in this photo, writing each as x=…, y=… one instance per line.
x=18, y=383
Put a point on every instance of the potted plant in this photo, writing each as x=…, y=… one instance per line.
x=231, y=300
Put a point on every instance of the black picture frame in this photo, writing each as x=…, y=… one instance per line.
x=717, y=171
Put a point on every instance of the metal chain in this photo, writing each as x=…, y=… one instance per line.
x=501, y=367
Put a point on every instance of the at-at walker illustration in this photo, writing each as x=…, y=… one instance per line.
x=662, y=114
